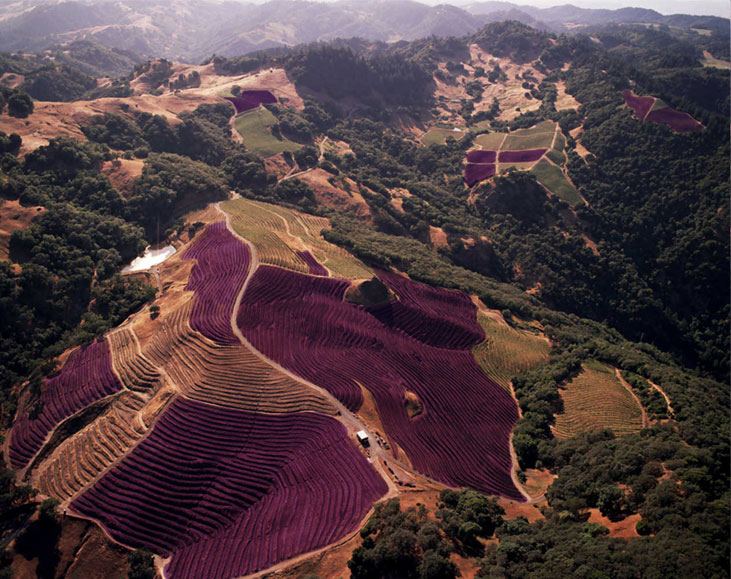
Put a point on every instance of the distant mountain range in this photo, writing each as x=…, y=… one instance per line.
x=191, y=30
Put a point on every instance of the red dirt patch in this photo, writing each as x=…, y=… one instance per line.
x=532, y=512
x=624, y=529
x=14, y=216
x=438, y=237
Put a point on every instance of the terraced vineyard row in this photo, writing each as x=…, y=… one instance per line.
x=439, y=318
x=222, y=265
x=135, y=371
x=462, y=436
x=86, y=377
x=226, y=375
x=596, y=399
x=265, y=235
x=225, y=492
x=506, y=351
x=274, y=229
x=84, y=456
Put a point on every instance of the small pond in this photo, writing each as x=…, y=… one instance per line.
x=150, y=258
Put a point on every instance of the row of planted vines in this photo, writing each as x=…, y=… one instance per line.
x=226, y=492
x=420, y=344
x=84, y=379
x=222, y=265
x=596, y=399
x=226, y=465
x=507, y=351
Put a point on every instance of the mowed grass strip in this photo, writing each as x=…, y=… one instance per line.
x=556, y=156
x=254, y=128
x=490, y=141
x=439, y=136
x=560, y=142
x=594, y=400
x=659, y=104
x=504, y=167
x=538, y=137
x=507, y=351
x=553, y=179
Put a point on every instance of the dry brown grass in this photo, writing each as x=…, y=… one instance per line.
x=122, y=172
x=14, y=216
x=624, y=529
x=54, y=119
x=438, y=237
x=337, y=197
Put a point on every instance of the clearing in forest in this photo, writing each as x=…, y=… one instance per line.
x=507, y=351
x=596, y=399
x=538, y=149
x=255, y=128
x=439, y=135
x=552, y=178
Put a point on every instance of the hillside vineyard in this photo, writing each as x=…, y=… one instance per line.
x=445, y=294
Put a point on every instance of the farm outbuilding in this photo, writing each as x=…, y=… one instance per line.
x=362, y=436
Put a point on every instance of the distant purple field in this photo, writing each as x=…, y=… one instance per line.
x=474, y=173
x=420, y=344
x=676, y=120
x=526, y=156
x=250, y=99
x=86, y=377
x=639, y=104
x=312, y=263
x=479, y=156
x=220, y=272
x=226, y=492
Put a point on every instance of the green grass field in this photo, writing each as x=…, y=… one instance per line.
x=554, y=180
x=538, y=137
x=490, y=141
x=556, y=156
x=659, y=104
x=542, y=127
x=596, y=399
x=560, y=142
x=507, y=351
x=254, y=128
x=439, y=136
